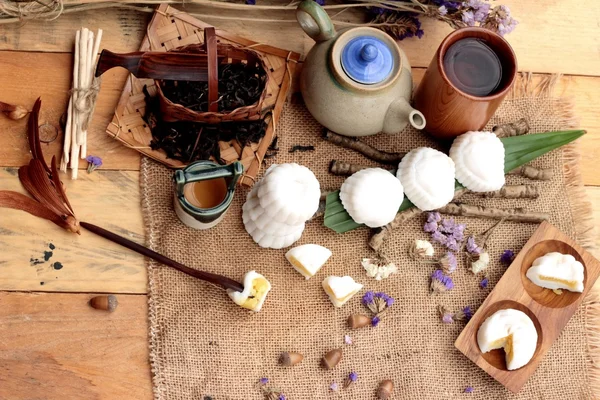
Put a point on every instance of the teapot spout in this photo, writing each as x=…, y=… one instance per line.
x=399, y=114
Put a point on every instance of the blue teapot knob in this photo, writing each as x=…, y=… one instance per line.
x=367, y=60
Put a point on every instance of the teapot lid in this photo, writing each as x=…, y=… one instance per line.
x=367, y=60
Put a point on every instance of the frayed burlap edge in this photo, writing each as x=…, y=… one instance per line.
x=581, y=211
x=579, y=205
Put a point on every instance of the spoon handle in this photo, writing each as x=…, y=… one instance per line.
x=215, y=279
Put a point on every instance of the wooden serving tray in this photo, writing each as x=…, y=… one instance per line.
x=171, y=28
x=548, y=311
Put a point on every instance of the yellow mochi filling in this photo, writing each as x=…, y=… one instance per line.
x=294, y=261
x=571, y=284
x=258, y=291
x=343, y=299
x=507, y=344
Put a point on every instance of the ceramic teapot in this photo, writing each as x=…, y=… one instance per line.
x=356, y=82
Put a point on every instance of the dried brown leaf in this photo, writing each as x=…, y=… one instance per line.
x=58, y=185
x=18, y=201
x=42, y=183
x=33, y=134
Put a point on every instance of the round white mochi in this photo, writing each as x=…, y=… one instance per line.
x=372, y=196
x=479, y=160
x=427, y=176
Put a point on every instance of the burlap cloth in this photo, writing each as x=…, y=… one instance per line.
x=202, y=344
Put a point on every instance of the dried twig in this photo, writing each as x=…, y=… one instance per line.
x=343, y=168
x=381, y=234
x=363, y=148
x=540, y=174
x=515, y=214
x=520, y=127
x=514, y=192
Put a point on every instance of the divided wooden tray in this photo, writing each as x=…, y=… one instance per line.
x=171, y=28
x=548, y=311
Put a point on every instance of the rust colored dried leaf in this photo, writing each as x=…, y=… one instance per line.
x=33, y=134
x=18, y=201
x=41, y=181
x=58, y=185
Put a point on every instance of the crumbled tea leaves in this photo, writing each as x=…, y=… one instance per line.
x=51, y=246
x=190, y=141
x=47, y=255
x=57, y=265
x=301, y=148
x=240, y=85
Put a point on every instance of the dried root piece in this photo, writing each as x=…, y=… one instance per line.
x=539, y=174
x=515, y=214
x=514, y=192
x=521, y=127
x=343, y=168
x=370, y=152
x=381, y=234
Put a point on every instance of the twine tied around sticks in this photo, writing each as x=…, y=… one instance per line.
x=86, y=101
x=32, y=9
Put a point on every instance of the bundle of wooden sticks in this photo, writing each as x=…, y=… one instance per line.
x=83, y=99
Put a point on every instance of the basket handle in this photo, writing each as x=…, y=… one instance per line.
x=210, y=43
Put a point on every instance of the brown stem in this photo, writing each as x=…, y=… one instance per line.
x=514, y=192
x=215, y=279
x=540, y=174
x=515, y=214
x=363, y=148
x=343, y=168
x=381, y=234
x=520, y=127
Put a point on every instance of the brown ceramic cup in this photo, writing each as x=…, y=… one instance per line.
x=450, y=112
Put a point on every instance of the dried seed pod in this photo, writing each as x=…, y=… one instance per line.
x=385, y=389
x=13, y=112
x=356, y=321
x=108, y=303
x=290, y=358
x=332, y=358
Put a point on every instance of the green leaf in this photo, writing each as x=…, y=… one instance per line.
x=518, y=151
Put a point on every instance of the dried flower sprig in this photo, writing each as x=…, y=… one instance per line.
x=379, y=268
x=93, y=163
x=449, y=317
x=445, y=231
x=421, y=249
x=352, y=377
x=378, y=302
x=507, y=257
x=448, y=263
x=270, y=393
x=440, y=282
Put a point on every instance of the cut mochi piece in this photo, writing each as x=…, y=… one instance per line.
x=479, y=161
x=256, y=288
x=427, y=176
x=372, y=196
x=340, y=289
x=511, y=330
x=289, y=193
x=557, y=271
x=308, y=259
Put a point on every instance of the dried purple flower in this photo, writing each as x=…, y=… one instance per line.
x=484, y=283
x=448, y=263
x=434, y=216
x=468, y=18
x=264, y=381
x=447, y=318
x=467, y=312
x=347, y=339
x=443, y=10
x=500, y=20
x=334, y=387
x=375, y=321
x=368, y=298
x=93, y=163
x=430, y=227
x=447, y=225
x=389, y=301
x=439, y=237
x=281, y=397
x=353, y=376
x=440, y=282
x=251, y=2
x=469, y=389
x=472, y=246
x=452, y=244
x=507, y=257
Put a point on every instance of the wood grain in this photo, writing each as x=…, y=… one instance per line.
x=514, y=290
x=55, y=346
x=88, y=263
x=543, y=40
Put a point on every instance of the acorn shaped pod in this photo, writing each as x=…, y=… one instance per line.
x=385, y=389
x=427, y=176
x=357, y=321
x=331, y=359
x=372, y=196
x=256, y=288
x=511, y=330
x=107, y=303
x=290, y=193
x=308, y=259
x=479, y=161
x=290, y=358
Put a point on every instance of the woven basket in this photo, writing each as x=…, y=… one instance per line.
x=217, y=53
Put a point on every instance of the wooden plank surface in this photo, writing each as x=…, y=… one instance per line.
x=55, y=346
x=553, y=36
x=87, y=263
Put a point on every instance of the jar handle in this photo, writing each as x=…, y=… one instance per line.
x=183, y=177
x=314, y=21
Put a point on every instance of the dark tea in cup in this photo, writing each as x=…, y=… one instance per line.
x=473, y=67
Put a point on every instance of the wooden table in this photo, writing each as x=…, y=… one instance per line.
x=52, y=344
